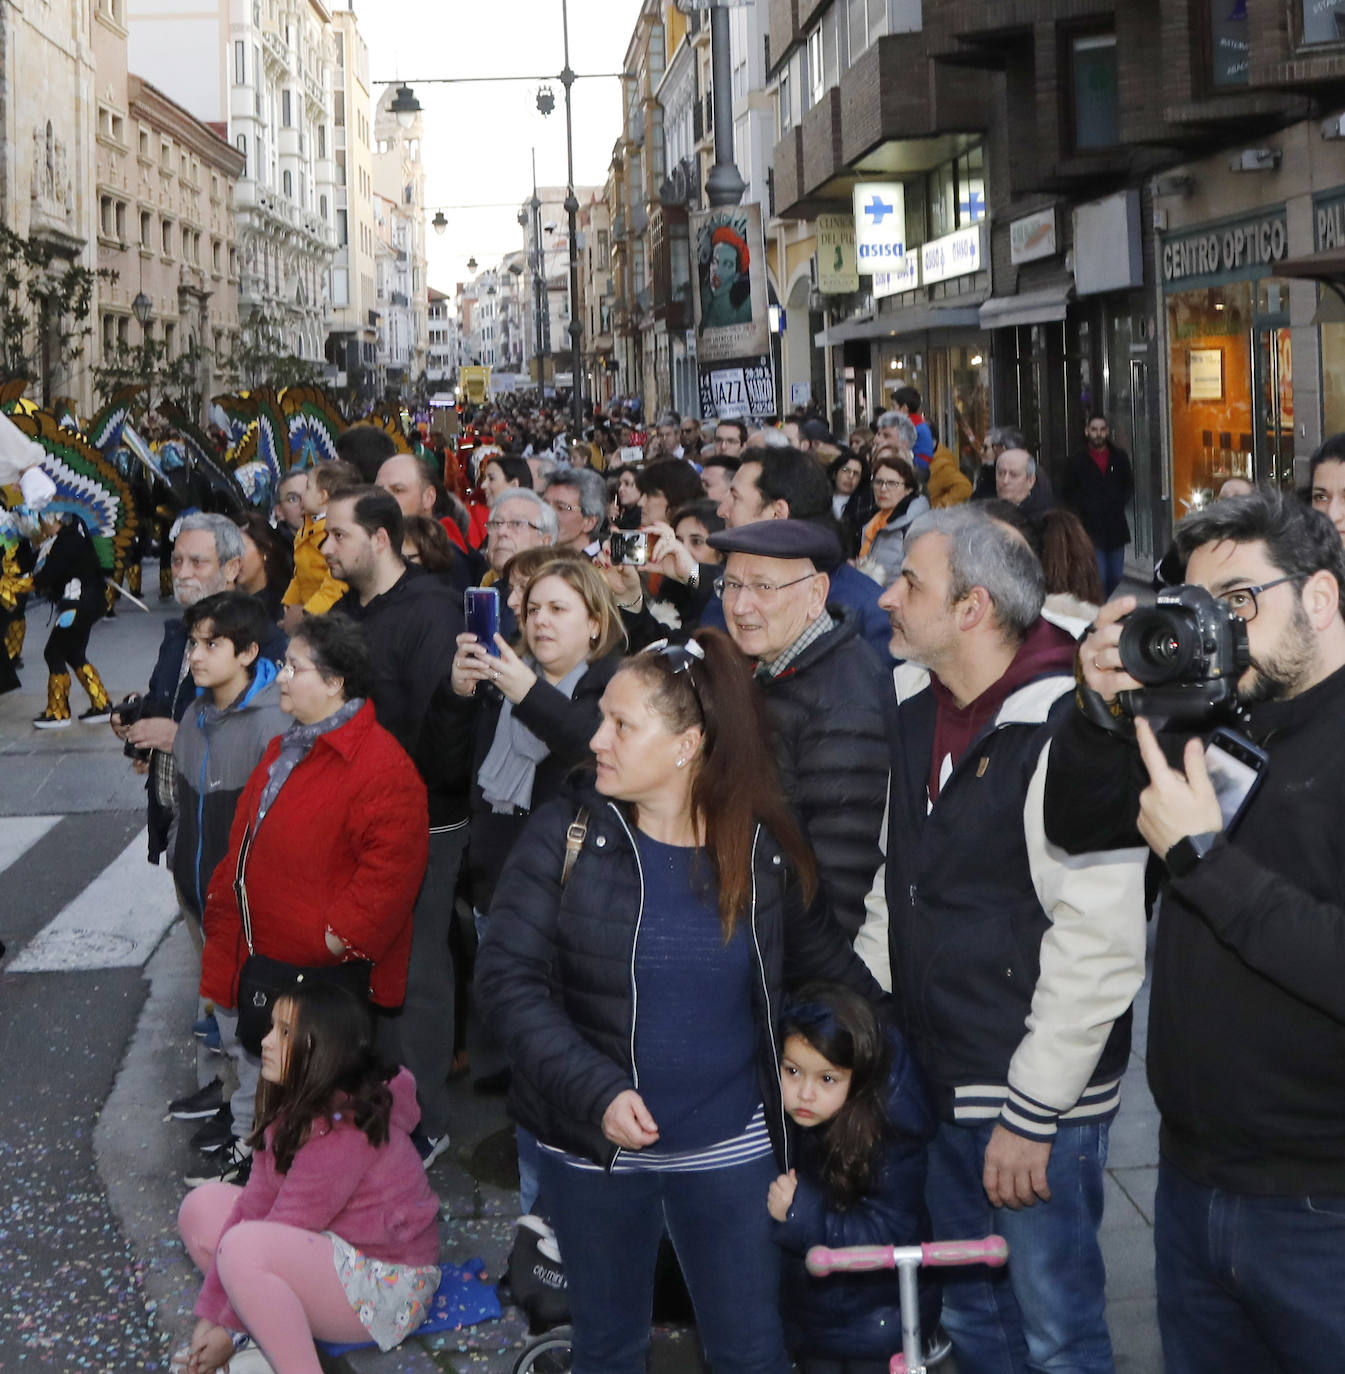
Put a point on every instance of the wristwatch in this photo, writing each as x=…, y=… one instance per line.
x=1184, y=857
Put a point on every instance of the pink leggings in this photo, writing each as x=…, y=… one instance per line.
x=281, y=1280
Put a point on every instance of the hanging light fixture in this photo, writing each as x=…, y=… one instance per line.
x=142, y=308
x=440, y=221
x=405, y=106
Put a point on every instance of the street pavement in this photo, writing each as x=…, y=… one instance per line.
x=97, y=993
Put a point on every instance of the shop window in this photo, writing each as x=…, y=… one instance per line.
x=1229, y=46
x=1322, y=22
x=1094, y=96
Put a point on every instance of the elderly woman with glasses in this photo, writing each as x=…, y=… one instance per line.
x=896, y=492
x=329, y=839
x=639, y=944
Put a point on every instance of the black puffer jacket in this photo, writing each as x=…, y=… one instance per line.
x=456, y=737
x=832, y=709
x=555, y=973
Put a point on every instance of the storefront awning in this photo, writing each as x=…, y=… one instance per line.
x=1327, y=267
x=916, y=319
x=1028, y=307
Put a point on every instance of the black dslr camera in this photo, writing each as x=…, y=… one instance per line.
x=1189, y=650
x=127, y=711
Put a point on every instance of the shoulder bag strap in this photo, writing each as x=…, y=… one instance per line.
x=574, y=842
x=241, y=887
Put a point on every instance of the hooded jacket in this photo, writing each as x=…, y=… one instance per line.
x=1013, y=966
x=313, y=587
x=858, y=1315
x=213, y=756
x=555, y=975
x=831, y=709
x=375, y=1198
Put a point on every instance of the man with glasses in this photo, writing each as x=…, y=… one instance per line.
x=827, y=693
x=1246, y=1048
x=579, y=498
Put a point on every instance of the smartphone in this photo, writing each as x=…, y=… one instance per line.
x=481, y=610
x=1235, y=766
x=631, y=547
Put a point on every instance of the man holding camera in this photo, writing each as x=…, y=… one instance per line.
x=1246, y=1050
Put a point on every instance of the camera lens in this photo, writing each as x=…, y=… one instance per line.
x=1158, y=645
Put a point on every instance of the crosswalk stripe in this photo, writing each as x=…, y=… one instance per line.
x=18, y=834
x=115, y=922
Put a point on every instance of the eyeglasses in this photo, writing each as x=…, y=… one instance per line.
x=726, y=587
x=288, y=669
x=511, y=525
x=882, y=483
x=1242, y=600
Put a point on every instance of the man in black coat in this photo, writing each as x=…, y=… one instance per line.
x=1246, y=1044
x=827, y=694
x=413, y=621
x=1097, y=484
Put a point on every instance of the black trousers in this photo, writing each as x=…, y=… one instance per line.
x=69, y=647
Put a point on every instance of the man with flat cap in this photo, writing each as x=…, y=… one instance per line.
x=827, y=693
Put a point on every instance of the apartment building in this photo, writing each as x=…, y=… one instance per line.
x=264, y=69
x=399, y=213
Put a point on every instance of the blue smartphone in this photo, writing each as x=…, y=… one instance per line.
x=481, y=610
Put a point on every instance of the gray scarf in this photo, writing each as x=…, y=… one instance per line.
x=295, y=744
x=510, y=767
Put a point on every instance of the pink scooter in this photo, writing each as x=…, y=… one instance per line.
x=906, y=1259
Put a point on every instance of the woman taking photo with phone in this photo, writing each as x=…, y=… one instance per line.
x=516, y=723
x=634, y=965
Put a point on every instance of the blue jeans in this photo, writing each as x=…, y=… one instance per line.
x=1111, y=567
x=1045, y=1311
x=609, y=1227
x=1248, y=1283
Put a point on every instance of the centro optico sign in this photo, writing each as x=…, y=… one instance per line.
x=1246, y=248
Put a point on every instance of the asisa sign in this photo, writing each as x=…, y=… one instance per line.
x=880, y=225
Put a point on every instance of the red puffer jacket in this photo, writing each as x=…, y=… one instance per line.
x=343, y=848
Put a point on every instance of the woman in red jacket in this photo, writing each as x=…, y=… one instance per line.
x=331, y=827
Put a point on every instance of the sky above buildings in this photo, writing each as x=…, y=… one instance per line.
x=479, y=137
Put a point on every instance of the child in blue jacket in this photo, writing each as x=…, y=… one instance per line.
x=864, y=1123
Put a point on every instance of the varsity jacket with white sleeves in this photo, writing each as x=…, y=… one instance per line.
x=1013, y=964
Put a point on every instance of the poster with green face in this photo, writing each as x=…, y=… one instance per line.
x=729, y=284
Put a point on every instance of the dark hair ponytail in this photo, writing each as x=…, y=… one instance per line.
x=843, y=1028
x=333, y=1066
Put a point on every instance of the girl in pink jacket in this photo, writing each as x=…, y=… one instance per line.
x=335, y=1236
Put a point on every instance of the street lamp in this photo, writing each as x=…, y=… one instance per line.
x=567, y=79
x=546, y=100
x=440, y=221
x=471, y=264
x=405, y=106
x=142, y=308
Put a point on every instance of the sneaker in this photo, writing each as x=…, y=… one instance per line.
x=202, y=1029
x=231, y=1165
x=429, y=1147
x=46, y=722
x=203, y=1102
x=96, y=715
x=216, y=1133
